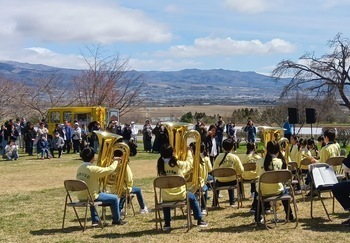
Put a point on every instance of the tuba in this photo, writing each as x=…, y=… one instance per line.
x=108, y=143
x=178, y=136
x=274, y=134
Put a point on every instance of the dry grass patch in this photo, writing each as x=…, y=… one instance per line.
x=33, y=198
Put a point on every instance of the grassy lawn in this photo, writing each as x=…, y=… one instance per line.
x=32, y=199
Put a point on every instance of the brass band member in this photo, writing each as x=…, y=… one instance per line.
x=168, y=164
x=91, y=174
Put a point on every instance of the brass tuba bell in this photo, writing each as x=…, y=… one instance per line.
x=179, y=134
x=108, y=143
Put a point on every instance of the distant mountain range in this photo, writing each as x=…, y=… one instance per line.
x=189, y=86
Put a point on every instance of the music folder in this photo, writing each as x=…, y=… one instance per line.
x=324, y=177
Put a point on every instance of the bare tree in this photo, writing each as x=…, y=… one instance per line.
x=10, y=91
x=107, y=82
x=45, y=92
x=320, y=76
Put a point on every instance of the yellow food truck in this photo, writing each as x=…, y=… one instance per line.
x=83, y=115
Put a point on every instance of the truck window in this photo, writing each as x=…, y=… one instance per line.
x=67, y=116
x=55, y=117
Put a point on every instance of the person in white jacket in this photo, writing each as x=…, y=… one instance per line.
x=134, y=131
x=76, y=138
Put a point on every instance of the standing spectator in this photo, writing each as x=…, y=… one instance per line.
x=163, y=136
x=118, y=128
x=231, y=133
x=23, y=125
x=147, y=136
x=112, y=128
x=29, y=137
x=198, y=125
x=18, y=132
x=3, y=140
x=251, y=131
x=58, y=129
x=219, y=134
x=134, y=131
x=11, y=150
x=76, y=138
x=42, y=130
x=156, y=142
x=126, y=133
x=210, y=143
x=67, y=137
x=94, y=138
x=289, y=129
x=202, y=131
x=84, y=135
x=57, y=143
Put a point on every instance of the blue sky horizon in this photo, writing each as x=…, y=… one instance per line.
x=155, y=35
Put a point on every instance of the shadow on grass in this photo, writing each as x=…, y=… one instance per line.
x=131, y=234
x=70, y=229
x=237, y=229
x=323, y=224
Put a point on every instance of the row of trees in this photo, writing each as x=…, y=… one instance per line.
x=106, y=82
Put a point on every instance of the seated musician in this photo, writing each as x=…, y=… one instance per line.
x=274, y=160
x=294, y=149
x=168, y=164
x=227, y=160
x=91, y=174
x=128, y=186
x=204, y=168
x=250, y=157
x=331, y=149
x=341, y=190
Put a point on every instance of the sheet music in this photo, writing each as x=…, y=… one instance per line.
x=324, y=176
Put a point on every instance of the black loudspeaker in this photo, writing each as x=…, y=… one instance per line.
x=310, y=115
x=293, y=115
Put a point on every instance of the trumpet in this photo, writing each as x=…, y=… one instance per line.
x=108, y=143
x=178, y=136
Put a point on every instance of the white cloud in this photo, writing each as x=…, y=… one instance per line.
x=228, y=47
x=38, y=55
x=248, y=6
x=172, y=8
x=87, y=21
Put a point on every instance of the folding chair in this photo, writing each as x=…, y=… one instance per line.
x=274, y=177
x=248, y=167
x=293, y=167
x=305, y=163
x=226, y=172
x=319, y=189
x=78, y=186
x=168, y=182
x=337, y=162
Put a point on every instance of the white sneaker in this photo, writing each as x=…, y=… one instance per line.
x=204, y=212
x=220, y=196
x=144, y=210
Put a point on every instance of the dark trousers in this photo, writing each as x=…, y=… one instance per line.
x=231, y=194
x=59, y=152
x=76, y=146
x=66, y=146
x=284, y=202
x=341, y=192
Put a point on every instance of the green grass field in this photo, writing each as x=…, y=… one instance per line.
x=32, y=200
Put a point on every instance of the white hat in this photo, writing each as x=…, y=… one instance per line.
x=76, y=124
x=132, y=122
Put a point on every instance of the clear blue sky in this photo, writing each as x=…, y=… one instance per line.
x=244, y=35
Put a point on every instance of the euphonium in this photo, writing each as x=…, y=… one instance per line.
x=178, y=136
x=108, y=143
